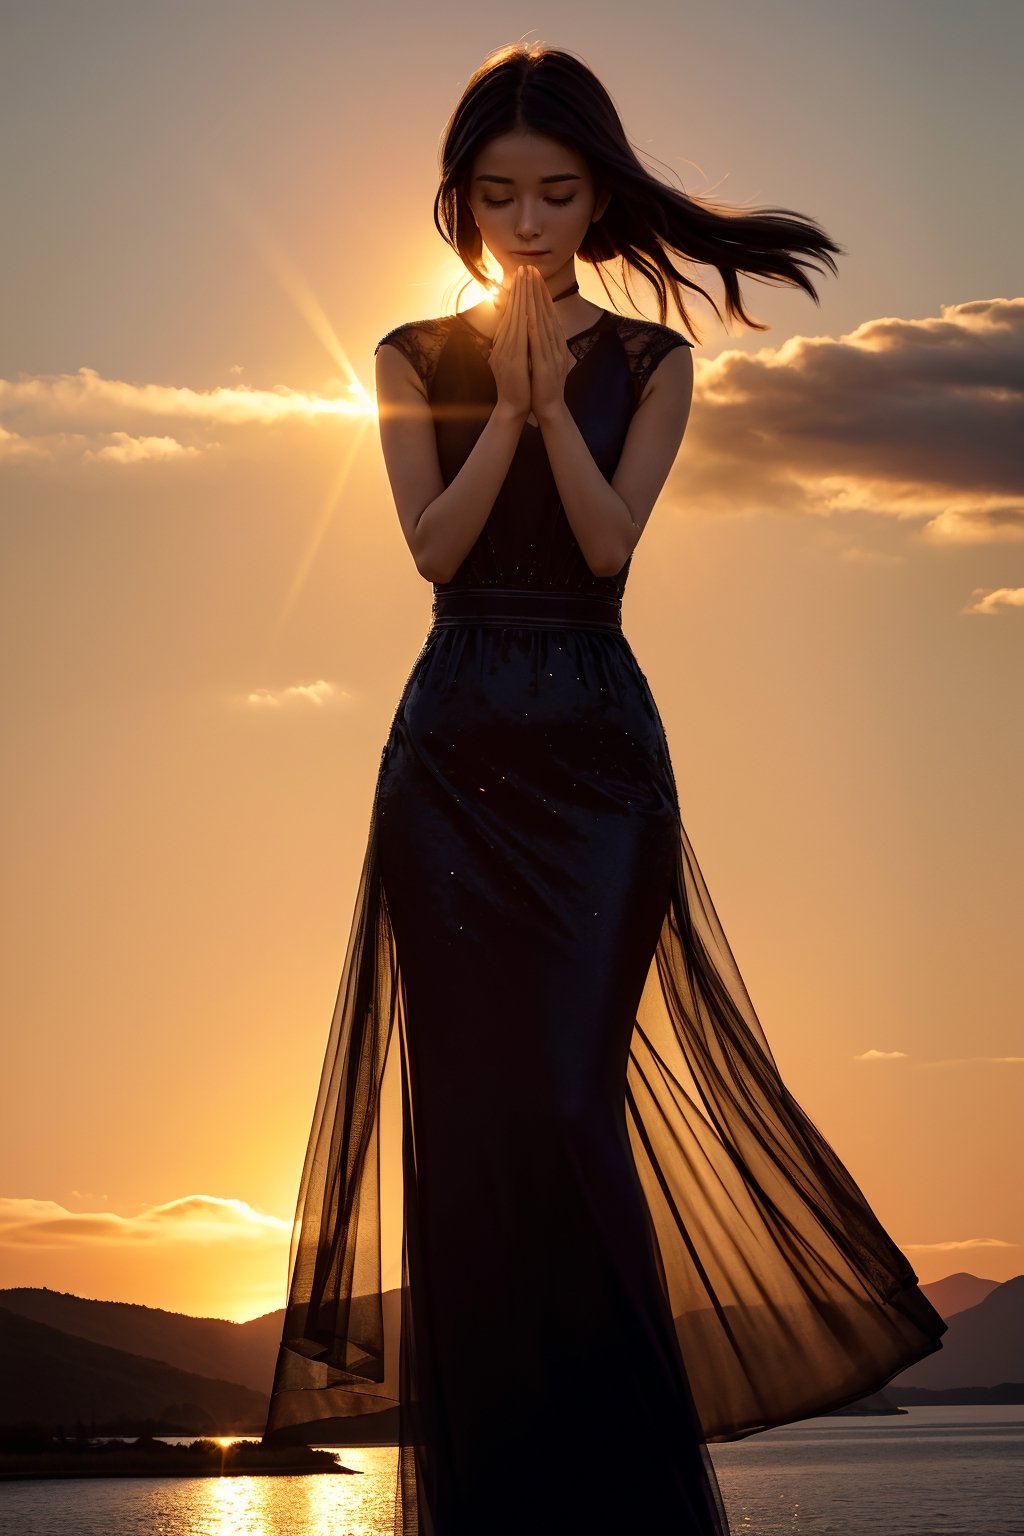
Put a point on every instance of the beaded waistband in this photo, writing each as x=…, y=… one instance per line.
x=527, y=607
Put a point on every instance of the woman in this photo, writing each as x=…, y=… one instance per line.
x=547, y=1099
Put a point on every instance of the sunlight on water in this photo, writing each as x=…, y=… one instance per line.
x=356, y=1505
x=932, y=1472
x=359, y=1503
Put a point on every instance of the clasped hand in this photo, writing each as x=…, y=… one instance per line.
x=529, y=357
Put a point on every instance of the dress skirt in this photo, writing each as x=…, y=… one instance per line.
x=560, y=1223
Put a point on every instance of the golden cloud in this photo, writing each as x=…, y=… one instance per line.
x=198, y=1219
x=908, y=419
x=944, y=1061
x=83, y=416
x=995, y=600
x=319, y=694
x=956, y=1243
x=915, y=420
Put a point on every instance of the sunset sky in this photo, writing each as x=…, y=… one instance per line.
x=211, y=214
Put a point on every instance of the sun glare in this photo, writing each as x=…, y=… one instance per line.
x=360, y=403
x=451, y=282
x=345, y=397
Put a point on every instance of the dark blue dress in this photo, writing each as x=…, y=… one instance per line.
x=560, y=1222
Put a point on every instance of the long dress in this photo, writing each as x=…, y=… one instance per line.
x=560, y=1222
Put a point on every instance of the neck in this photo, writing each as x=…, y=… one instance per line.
x=574, y=314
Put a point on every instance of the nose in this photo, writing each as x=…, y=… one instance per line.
x=527, y=227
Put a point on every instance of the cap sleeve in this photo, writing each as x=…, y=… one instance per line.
x=420, y=343
x=646, y=344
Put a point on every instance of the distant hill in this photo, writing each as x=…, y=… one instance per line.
x=209, y=1346
x=65, y=1357
x=991, y=1397
x=957, y=1292
x=984, y=1346
x=51, y=1378
x=208, y=1354
x=875, y=1402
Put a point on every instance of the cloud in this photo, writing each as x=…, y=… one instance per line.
x=993, y=601
x=206, y=1255
x=319, y=694
x=14, y=447
x=909, y=419
x=201, y=1219
x=914, y=420
x=944, y=1061
x=126, y=449
x=83, y=416
x=956, y=1243
x=856, y=554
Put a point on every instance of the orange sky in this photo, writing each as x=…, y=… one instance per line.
x=209, y=609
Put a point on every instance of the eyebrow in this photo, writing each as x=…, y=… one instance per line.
x=509, y=180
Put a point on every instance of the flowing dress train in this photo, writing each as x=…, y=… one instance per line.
x=560, y=1223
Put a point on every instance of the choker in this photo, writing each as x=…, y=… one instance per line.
x=573, y=287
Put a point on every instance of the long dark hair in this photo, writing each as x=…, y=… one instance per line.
x=549, y=91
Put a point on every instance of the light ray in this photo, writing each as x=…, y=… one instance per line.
x=332, y=505
x=294, y=285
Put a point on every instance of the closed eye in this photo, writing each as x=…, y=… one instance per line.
x=556, y=202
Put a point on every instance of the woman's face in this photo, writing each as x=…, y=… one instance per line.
x=533, y=200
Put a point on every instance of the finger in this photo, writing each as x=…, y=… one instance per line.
x=554, y=331
x=512, y=297
x=524, y=307
x=548, y=311
x=507, y=324
x=507, y=303
x=515, y=341
x=542, y=320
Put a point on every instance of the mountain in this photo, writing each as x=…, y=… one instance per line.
x=51, y=1378
x=208, y=1346
x=984, y=1346
x=208, y=1354
x=875, y=1402
x=65, y=1357
x=988, y=1397
x=957, y=1292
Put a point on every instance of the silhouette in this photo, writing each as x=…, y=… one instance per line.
x=52, y=1376
x=621, y=1238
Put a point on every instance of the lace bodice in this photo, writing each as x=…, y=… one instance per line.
x=527, y=540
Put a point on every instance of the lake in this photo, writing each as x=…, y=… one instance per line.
x=930, y=1472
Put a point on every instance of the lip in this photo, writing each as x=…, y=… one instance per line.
x=529, y=253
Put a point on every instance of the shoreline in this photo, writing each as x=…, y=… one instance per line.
x=199, y=1458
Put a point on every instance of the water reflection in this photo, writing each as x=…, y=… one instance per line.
x=364, y=1500
x=955, y=1470
x=358, y=1502
x=238, y=1506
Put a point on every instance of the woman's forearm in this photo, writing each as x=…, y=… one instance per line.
x=450, y=525
x=598, y=516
